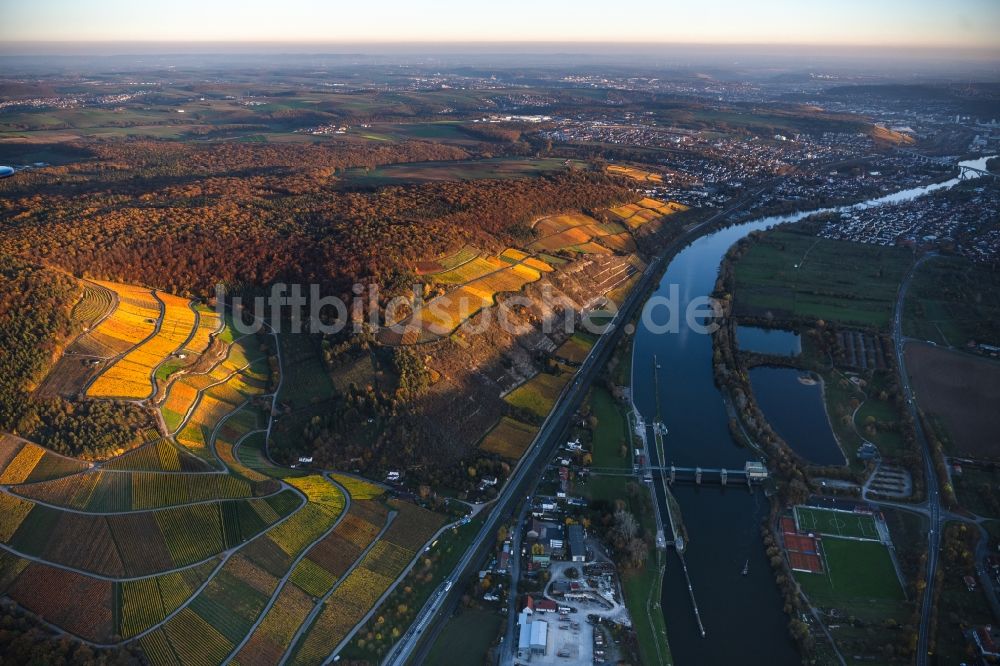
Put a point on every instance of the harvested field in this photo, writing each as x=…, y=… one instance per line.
x=448, y=262
x=72, y=372
x=576, y=347
x=470, y=270
x=95, y=302
x=538, y=395
x=963, y=391
x=509, y=438
x=635, y=174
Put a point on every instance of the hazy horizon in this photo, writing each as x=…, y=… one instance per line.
x=726, y=60
x=962, y=24
x=375, y=47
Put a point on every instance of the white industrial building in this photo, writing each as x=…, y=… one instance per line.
x=533, y=635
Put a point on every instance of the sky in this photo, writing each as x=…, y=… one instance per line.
x=966, y=24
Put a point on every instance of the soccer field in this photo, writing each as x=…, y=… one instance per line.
x=835, y=523
x=855, y=570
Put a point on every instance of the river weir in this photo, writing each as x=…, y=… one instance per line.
x=739, y=605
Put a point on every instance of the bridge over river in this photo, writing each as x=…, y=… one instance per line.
x=964, y=170
x=752, y=472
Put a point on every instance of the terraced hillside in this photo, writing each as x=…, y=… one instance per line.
x=194, y=546
x=468, y=281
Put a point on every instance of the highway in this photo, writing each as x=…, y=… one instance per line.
x=933, y=492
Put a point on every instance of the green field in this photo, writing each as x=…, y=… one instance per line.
x=642, y=592
x=952, y=301
x=884, y=416
x=860, y=582
x=439, y=130
x=838, y=394
x=469, y=634
x=835, y=523
x=855, y=570
x=610, y=433
x=790, y=274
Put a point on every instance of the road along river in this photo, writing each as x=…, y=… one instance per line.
x=742, y=615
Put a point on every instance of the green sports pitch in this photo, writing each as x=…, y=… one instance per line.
x=854, y=570
x=835, y=523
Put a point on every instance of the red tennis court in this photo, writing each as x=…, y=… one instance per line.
x=805, y=562
x=800, y=543
x=802, y=549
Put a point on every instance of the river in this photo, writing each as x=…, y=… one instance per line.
x=742, y=615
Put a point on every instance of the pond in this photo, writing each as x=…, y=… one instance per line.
x=774, y=341
x=792, y=402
